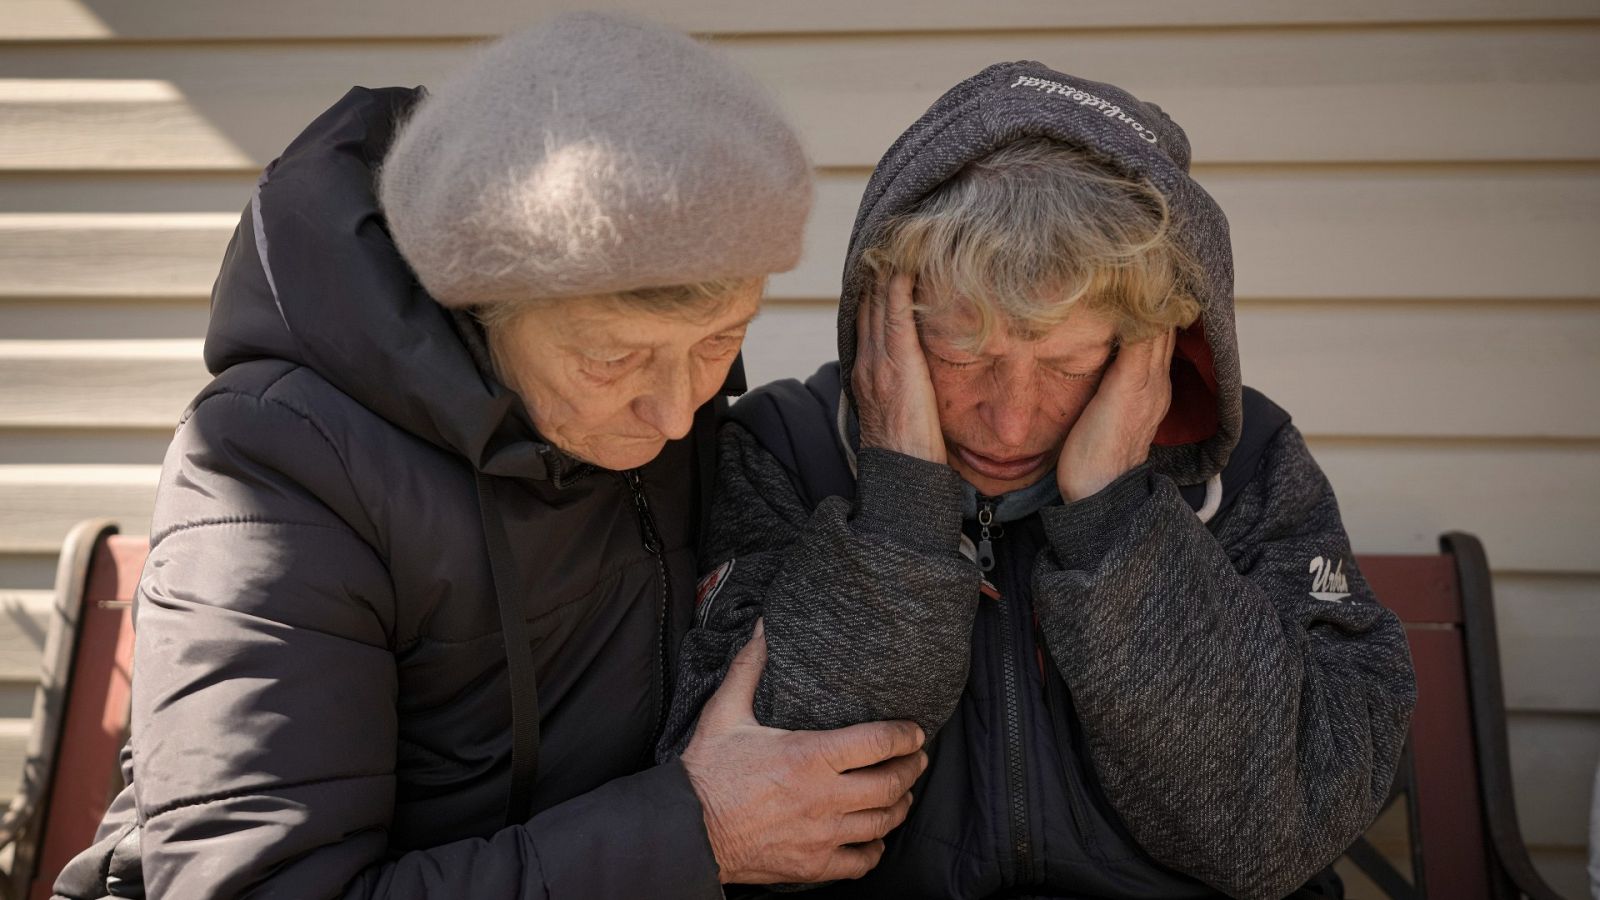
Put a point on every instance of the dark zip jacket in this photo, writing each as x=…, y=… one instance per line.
x=1139, y=701
x=347, y=517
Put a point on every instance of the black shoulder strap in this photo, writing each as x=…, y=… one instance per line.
x=519, y=662
x=1262, y=420
x=798, y=424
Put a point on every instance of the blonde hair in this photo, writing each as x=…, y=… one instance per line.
x=1028, y=232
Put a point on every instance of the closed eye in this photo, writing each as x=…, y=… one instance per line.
x=721, y=345
x=609, y=365
x=953, y=363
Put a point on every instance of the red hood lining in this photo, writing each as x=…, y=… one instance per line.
x=1192, y=417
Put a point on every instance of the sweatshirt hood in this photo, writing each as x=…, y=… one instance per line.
x=1008, y=102
x=312, y=277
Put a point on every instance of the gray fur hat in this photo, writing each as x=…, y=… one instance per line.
x=593, y=154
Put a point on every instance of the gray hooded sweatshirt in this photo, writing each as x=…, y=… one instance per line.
x=1139, y=701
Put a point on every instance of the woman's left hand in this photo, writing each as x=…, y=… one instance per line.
x=1115, y=431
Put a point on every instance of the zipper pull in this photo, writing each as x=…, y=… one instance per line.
x=647, y=525
x=985, y=546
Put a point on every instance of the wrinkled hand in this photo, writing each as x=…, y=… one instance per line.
x=894, y=395
x=1114, y=433
x=796, y=806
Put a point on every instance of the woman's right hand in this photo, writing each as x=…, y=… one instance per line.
x=796, y=806
x=893, y=391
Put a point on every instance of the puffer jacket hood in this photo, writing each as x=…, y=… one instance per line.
x=349, y=308
x=352, y=310
x=1008, y=102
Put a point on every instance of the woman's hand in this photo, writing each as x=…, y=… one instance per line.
x=1114, y=433
x=893, y=393
x=800, y=806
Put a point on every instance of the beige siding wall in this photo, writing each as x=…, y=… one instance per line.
x=1414, y=188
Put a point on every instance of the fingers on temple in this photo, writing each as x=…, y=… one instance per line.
x=902, y=326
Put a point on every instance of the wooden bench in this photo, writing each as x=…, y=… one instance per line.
x=1455, y=781
x=80, y=711
x=1456, y=778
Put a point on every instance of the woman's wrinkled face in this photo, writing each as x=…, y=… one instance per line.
x=611, y=383
x=1005, y=409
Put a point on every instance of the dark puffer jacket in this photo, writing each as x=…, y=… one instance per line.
x=321, y=702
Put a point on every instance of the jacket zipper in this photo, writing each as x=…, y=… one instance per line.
x=1016, y=767
x=652, y=543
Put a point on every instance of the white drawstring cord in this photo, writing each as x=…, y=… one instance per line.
x=1213, y=498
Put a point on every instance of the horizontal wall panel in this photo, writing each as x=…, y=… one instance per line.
x=107, y=124
x=790, y=340
x=84, y=446
x=29, y=570
x=13, y=751
x=42, y=503
x=136, y=384
x=1549, y=630
x=126, y=191
x=109, y=20
x=24, y=621
x=125, y=318
x=1483, y=233
x=1313, y=95
x=1341, y=233
x=16, y=702
x=1552, y=766
x=157, y=255
x=1418, y=369
x=1532, y=504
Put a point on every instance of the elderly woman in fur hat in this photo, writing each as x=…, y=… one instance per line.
x=424, y=549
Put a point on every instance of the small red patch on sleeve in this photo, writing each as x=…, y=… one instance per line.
x=711, y=583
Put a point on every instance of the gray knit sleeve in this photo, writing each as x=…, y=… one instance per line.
x=868, y=606
x=1244, y=695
